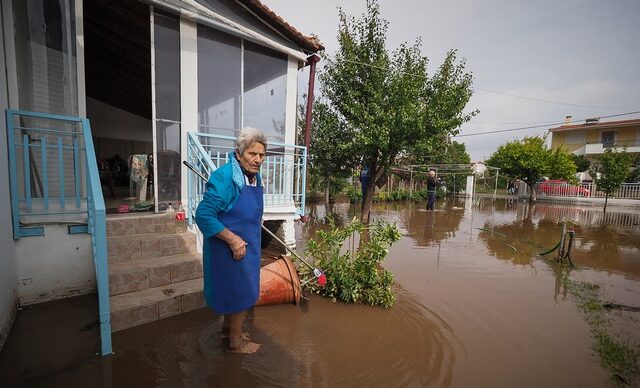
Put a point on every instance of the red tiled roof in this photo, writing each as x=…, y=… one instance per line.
x=604, y=124
x=309, y=43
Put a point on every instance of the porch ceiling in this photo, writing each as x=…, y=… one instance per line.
x=118, y=54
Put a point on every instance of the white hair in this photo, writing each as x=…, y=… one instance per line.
x=248, y=136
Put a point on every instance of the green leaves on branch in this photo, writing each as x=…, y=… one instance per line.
x=331, y=158
x=609, y=170
x=354, y=275
x=530, y=159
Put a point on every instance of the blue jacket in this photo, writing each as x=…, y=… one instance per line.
x=222, y=192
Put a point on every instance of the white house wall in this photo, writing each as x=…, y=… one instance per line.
x=8, y=294
x=54, y=266
x=110, y=122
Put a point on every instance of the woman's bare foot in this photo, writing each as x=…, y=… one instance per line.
x=224, y=334
x=243, y=346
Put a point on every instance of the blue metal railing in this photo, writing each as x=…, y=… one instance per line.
x=283, y=171
x=198, y=157
x=47, y=185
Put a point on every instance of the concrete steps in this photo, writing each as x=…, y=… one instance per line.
x=154, y=272
x=141, y=274
x=151, y=304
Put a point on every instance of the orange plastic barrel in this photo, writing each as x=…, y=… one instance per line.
x=279, y=283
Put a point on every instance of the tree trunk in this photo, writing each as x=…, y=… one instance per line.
x=533, y=191
x=368, y=194
x=327, y=188
x=606, y=198
x=366, y=202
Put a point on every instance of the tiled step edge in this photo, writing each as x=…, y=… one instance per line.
x=137, y=308
x=142, y=274
x=126, y=225
x=130, y=248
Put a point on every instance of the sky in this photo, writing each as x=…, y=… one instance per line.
x=582, y=57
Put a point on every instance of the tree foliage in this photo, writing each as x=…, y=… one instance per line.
x=388, y=99
x=330, y=156
x=582, y=164
x=530, y=159
x=634, y=175
x=609, y=170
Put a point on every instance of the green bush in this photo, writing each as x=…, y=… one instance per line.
x=354, y=194
x=355, y=276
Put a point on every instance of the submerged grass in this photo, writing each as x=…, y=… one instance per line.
x=621, y=358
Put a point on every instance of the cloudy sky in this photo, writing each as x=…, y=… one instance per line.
x=581, y=56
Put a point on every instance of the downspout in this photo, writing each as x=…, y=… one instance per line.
x=312, y=60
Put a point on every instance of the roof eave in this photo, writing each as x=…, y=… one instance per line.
x=310, y=44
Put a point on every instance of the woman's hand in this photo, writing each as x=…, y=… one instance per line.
x=237, y=245
x=238, y=248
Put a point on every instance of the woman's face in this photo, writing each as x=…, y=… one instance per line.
x=252, y=157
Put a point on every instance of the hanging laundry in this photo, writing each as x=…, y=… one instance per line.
x=139, y=169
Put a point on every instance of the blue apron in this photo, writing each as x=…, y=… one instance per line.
x=232, y=286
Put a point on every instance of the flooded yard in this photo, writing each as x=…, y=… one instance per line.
x=475, y=307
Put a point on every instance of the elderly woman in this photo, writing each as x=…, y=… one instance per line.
x=229, y=218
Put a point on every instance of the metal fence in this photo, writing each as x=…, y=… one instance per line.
x=585, y=190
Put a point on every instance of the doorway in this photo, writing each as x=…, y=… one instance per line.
x=117, y=40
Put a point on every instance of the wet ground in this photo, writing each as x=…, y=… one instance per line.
x=474, y=307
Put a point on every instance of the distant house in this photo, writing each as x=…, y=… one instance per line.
x=111, y=96
x=479, y=168
x=595, y=136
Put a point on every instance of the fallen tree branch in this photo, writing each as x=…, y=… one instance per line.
x=624, y=307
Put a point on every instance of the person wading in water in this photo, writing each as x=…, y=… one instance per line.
x=432, y=184
x=229, y=217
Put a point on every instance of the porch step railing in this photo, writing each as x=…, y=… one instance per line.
x=283, y=171
x=54, y=178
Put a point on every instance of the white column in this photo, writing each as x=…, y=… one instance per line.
x=188, y=90
x=287, y=233
x=469, y=189
x=292, y=101
x=82, y=94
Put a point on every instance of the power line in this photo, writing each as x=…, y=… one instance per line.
x=546, y=101
x=513, y=123
x=498, y=92
x=538, y=126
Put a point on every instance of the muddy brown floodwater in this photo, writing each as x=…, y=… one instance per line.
x=475, y=308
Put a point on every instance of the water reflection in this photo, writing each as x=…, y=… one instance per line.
x=520, y=240
x=429, y=228
x=603, y=241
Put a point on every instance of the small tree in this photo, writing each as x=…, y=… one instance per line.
x=610, y=170
x=330, y=156
x=530, y=159
x=387, y=97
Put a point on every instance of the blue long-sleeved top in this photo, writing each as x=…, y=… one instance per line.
x=222, y=192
